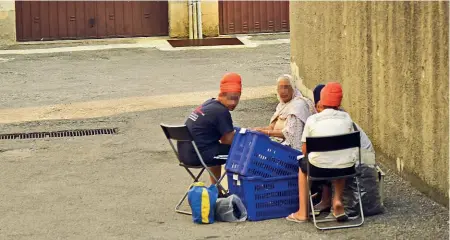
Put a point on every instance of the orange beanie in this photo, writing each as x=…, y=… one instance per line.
x=331, y=95
x=231, y=82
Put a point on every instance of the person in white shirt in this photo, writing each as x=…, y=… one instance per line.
x=329, y=121
x=367, y=157
x=365, y=141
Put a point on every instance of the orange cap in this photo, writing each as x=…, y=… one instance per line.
x=331, y=95
x=231, y=82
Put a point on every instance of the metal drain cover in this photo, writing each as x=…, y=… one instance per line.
x=63, y=133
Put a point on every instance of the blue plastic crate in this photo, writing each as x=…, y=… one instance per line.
x=255, y=154
x=266, y=198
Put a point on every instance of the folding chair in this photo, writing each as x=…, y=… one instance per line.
x=333, y=143
x=181, y=133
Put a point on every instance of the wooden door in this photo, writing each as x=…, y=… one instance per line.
x=253, y=16
x=52, y=20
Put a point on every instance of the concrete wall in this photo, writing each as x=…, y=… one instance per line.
x=7, y=22
x=179, y=19
x=392, y=59
x=210, y=18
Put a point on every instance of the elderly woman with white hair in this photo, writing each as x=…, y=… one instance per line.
x=290, y=115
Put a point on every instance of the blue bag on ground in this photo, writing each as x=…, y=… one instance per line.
x=202, y=201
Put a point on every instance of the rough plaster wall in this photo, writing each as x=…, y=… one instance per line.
x=7, y=22
x=210, y=18
x=179, y=18
x=392, y=60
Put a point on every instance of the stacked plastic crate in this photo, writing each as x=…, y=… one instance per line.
x=264, y=174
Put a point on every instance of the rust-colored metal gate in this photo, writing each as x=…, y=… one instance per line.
x=253, y=16
x=51, y=20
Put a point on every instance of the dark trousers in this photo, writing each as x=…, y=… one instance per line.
x=189, y=156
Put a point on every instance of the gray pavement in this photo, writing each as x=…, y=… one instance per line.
x=125, y=186
x=33, y=80
x=270, y=36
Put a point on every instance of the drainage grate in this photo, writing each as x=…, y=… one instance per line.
x=56, y=134
x=204, y=42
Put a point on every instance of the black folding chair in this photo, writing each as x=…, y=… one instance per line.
x=181, y=133
x=333, y=143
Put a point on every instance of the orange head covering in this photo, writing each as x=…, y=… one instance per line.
x=231, y=82
x=331, y=95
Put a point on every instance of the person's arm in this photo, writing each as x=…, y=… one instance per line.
x=224, y=125
x=269, y=131
x=273, y=133
x=264, y=129
x=306, y=133
x=227, y=138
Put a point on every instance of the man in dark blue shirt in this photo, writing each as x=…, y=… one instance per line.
x=211, y=127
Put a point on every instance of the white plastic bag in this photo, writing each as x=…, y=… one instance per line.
x=230, y=209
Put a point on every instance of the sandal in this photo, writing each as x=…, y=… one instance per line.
x=318, y=210
x=341, y=217
x=291, y=218
x=321, y=209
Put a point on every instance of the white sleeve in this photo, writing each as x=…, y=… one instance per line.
x=306, y=132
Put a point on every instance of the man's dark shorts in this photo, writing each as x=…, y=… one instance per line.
x=189, y=157
x=324, y=172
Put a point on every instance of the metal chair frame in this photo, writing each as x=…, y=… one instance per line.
x=181, y=133
x=333, y=143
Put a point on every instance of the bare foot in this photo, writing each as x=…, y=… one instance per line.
x=338, y=208
x=299, y=216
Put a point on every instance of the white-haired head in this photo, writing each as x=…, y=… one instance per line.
x=294, y=92
x=286, y=77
